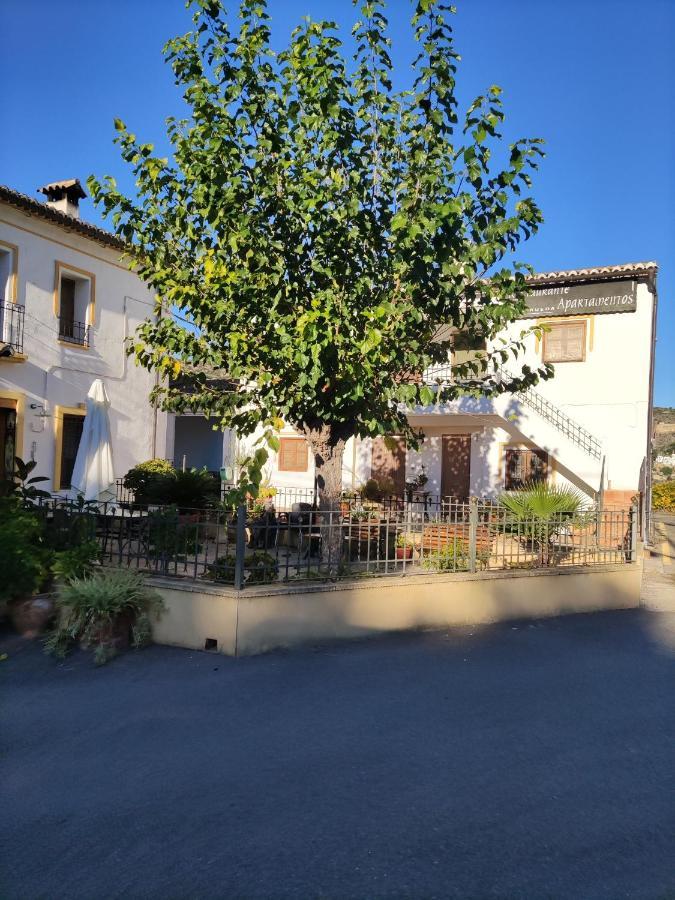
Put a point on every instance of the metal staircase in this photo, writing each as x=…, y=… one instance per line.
x=566, y=425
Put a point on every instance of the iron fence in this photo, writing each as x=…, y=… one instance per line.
x=265, y=545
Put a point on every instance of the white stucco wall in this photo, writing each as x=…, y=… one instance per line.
x=607, y=393
x=55, y=374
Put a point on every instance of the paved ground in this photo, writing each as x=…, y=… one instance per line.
x=527, y=760
x=658, y=583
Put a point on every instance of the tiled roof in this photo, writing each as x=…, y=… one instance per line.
x=598, y=273
x=36, y=208
x=71, y=185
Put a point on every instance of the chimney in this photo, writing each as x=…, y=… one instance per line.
x=64, y=196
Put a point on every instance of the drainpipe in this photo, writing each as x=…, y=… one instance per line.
x=647, y=514
x=119, y=377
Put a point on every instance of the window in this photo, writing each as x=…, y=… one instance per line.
x=524, y=465
x=74, y=304
x=10, y=315
x=8, y=262
x=292, y=454
x=565, y=342
x=465, y=348
x=69, y=424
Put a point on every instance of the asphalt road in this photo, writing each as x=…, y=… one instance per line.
x=527, y=760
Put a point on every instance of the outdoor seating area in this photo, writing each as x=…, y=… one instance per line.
x=261, y=544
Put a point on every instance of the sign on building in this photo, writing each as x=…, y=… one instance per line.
x=579, y=299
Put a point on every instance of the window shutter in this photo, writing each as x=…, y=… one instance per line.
x=292, y=455
x=523, y=465
x=565, y=342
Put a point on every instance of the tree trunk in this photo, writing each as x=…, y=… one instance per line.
x=328, y=446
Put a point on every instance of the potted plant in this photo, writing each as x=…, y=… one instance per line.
x=106, y=611
x=404, y=546
x=25, y=565
x=365, y=514
x=151, y=482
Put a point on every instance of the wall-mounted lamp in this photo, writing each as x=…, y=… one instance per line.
x=41, y=415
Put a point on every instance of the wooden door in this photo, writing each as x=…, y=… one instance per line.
x=456, y=466
x=389, y=463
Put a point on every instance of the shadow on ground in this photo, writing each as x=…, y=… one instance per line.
x=529, y=759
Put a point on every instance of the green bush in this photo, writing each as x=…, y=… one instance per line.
x=157, y=482
x=151, y=481
x=259, y=568
x=193, y=489
x=78, y=562
x=663, y=496
x=371, y=490
x=451, y=558
x=168, y=538
x=24, y=558
x=68, y=525
x=91, y=609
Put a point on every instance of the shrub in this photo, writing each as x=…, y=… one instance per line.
x=371, y=490
x=663, y=496
x=78, y=562
x=69, y=524
x=193, y=489
x=20, y=486
x=24, y=560
x=386, y=486
x=157, y=482
x=169, y=539
x=91, y=610
x=259, y=568
x=451, y=558
x=151, y=481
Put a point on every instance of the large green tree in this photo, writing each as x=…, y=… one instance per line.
x=315, y=232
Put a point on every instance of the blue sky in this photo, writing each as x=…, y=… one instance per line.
x=595, y=78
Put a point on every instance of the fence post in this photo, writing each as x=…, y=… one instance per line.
x=634, y=519
x=473, y=532
x=240, y=548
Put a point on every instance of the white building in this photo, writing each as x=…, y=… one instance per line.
x=589, y=426
x=67, y=304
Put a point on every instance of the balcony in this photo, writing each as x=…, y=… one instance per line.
x=11, y=329
x=76, y=333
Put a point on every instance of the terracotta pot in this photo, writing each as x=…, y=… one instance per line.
x=404, y=552
x=118, y=634
x=30, y=616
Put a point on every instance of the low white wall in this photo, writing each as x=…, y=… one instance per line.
x=259, y=619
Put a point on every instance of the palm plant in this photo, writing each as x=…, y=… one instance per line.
x=539, y=511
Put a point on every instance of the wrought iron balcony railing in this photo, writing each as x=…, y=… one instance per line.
x=11, y=328
x=74, y=332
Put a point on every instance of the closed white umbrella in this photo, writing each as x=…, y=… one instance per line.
x=93, y=472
